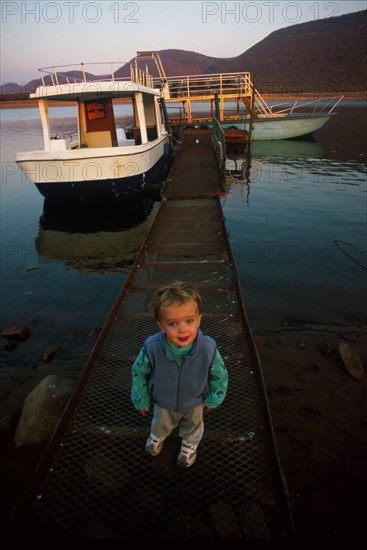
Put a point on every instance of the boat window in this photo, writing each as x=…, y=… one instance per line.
x=63, y=123
x=150, y=117
x=124, y=119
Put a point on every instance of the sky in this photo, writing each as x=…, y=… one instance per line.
x=37, y=34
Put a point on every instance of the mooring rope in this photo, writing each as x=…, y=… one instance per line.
x=339, y=243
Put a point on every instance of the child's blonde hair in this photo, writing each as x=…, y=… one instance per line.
x=177, y=292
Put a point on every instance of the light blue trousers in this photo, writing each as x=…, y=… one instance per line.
x=190, y=424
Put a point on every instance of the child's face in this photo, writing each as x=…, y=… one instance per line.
x=180, y=322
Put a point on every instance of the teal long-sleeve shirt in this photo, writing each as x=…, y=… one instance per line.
x=141, y=370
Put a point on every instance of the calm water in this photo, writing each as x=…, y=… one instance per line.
x=295, y=210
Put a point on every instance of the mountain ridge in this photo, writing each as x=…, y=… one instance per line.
x=326, y=55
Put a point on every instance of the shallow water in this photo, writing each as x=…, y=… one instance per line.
x=295, y=212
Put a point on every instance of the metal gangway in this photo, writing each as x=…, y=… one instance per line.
x=95, y=479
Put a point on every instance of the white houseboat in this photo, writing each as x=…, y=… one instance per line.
x=101, y=161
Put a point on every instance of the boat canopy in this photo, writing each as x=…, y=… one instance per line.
x=94, y=97
x=83, y=91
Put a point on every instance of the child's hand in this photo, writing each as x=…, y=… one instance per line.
x=143, y=412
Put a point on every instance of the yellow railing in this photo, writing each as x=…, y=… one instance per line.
x=193, y=86
x=228, y=86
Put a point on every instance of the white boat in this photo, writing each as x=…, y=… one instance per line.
x=101, y=161
x=279, y=126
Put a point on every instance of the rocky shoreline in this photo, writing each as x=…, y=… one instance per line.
x=319, y=416
x=318, y=411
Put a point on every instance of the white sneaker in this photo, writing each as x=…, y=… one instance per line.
x=154, y=444
x=187, y=455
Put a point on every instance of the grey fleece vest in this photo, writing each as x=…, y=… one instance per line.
x=179, y=388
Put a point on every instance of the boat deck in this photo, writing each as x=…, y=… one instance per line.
x=96, y=481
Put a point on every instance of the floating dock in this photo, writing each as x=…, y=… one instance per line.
x=95, y=480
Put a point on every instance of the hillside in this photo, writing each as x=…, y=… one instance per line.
x=327, y=55
x=178, y=62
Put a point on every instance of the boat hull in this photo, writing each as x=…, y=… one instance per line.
x=109, y=175
x=282, y=127
x=104, y=190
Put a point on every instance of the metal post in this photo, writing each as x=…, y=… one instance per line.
x=252, y=110
x=166, y=121
x=216, y=101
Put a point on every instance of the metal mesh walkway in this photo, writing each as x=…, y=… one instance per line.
x=96, y=481
x=195, y=170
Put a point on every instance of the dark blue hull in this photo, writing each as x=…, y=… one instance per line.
x=110, y=190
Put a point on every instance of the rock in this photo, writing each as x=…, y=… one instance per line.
x=259, y=341
x=351, y=360
x=50, y=352
x=352, y=336
x=10, y=345
x=42, y=410
x=16, y=332
x=310, y=414
x=301, y=344
x=325, y=348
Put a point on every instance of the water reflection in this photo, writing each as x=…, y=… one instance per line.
x=289, y=148
x=92, y=237
x=271, y=150
x=241, y=164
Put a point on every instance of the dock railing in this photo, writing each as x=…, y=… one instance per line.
x=320, y=105
x=236, y=87
x=194, y=86
x=219, y=144
x=228, y=87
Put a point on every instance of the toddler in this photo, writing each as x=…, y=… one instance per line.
x=180, y=370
